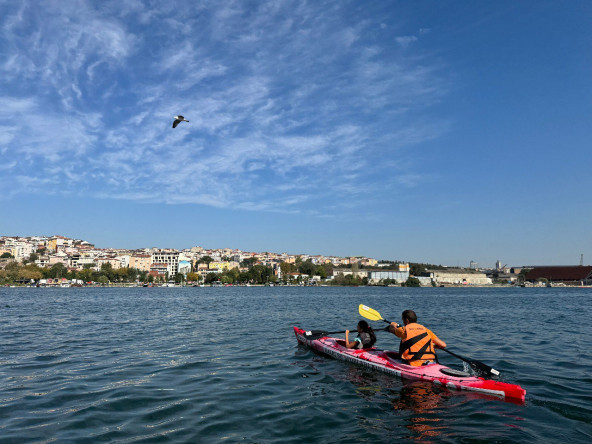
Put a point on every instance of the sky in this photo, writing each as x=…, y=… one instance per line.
x=424, y=131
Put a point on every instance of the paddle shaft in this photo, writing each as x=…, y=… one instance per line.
x=320, y=333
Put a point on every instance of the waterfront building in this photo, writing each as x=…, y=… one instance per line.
x=569, y=275
x=169, y=257
x=444, y=277
x=374, y=277
x=140, y=261
x=124, y=260
x=184, y=267
x=159, y=269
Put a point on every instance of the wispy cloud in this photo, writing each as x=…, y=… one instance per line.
x=289, y=102
x=406, y=40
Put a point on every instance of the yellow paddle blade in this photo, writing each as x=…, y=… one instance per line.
x=370, y=313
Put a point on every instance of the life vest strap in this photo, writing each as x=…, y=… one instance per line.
x=422, y=353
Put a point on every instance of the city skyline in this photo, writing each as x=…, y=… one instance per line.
x=200, y=250
x=426, y=132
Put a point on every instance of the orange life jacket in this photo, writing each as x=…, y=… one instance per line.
x=417, y=346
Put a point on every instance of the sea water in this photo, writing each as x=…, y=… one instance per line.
x=223, y=365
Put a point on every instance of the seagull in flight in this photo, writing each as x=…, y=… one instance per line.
x=179, y=119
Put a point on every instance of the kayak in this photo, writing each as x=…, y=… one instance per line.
x=389, y=362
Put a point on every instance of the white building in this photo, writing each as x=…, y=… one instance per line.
x=22, y=250
x=171, y=258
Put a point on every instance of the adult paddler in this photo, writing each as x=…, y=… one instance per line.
x=417, y=342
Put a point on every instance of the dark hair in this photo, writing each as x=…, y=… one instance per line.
x=363, y=325
x=410, y=316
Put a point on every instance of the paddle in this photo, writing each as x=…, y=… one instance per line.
x=316, y=334
x=370, y=313
x=477, y=366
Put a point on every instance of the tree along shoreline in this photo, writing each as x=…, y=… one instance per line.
x=298, y=273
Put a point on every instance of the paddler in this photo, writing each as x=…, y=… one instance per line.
x=365, y=339
x=417, y=341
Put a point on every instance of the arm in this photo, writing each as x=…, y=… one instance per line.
x=396, y=329
x=438, y=343
x=347, y=343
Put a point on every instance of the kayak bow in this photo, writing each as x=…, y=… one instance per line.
x=389, y=362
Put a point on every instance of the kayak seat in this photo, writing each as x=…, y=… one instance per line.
x=452, y=372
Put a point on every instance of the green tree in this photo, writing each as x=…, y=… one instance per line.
x=287, y=267
x=248, y=262
x=307, y=267
x=234, y=275
x=225, y=278
x=6, y=256
x=411, y=282
x=211, y=277
x=57, y=271
x=193, y=277
x=29, y=274
x=321, y=271
x=85, y=275
x=244, y=277
x=120, y=275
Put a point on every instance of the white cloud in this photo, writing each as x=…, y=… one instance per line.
x=406, y=40
x=288, y=102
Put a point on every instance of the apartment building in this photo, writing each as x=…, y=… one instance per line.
x=171, y=258
x=140, y=261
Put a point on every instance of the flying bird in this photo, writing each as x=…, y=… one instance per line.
x=179, y=119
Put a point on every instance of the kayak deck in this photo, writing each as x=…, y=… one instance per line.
x=388, y=362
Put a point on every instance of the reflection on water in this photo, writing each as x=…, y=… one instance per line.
x=417, y=402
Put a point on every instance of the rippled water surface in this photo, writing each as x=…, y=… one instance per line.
x=222, y=364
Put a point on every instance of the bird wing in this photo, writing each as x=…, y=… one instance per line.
x=175, y=123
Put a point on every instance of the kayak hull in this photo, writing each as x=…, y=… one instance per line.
x=388, y=362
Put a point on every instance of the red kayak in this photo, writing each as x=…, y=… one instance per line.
x=389, y=362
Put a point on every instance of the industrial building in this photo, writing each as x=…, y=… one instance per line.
x=569, y=275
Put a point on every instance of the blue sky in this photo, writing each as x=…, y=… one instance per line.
x=427, y=131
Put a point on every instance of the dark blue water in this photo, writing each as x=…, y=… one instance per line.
x=223, y=365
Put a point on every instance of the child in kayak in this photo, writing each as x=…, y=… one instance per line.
x=417, y=341
x=365, y=339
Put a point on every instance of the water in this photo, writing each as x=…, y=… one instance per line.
x=223, y=365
